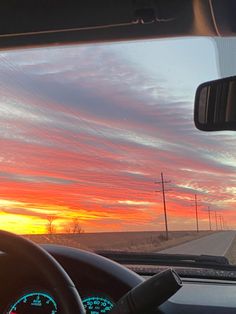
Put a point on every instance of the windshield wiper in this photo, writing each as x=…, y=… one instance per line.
x=136, y=258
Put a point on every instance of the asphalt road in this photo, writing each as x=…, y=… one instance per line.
x=214, y=244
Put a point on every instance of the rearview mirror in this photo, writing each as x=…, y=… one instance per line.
x=215, y=105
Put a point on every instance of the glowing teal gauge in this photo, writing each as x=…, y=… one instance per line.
x=34, y=302
x=97, y=305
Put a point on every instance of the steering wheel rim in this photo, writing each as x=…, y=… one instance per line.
x=63, y=287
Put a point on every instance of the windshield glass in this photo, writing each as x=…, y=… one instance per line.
x=99, y=149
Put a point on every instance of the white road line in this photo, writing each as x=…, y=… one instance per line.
x=233, y=237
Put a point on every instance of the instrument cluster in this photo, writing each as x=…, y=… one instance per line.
x=44, y=303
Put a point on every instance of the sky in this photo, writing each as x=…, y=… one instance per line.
x=85, y=132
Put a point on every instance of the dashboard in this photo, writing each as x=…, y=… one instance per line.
x=101, y=283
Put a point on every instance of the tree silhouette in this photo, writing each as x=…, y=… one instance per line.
x=50, y=227
x=74, y=227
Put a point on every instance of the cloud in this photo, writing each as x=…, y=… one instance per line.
x=85, y=129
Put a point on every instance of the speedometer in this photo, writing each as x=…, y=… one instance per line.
x=97, y=305
x=32, y=303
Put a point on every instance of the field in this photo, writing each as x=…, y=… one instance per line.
x=150, y=241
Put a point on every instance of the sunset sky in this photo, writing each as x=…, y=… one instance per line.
x=85, y=131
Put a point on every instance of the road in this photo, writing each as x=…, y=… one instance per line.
x=214, y=244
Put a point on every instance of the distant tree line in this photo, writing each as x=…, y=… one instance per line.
x=73, y=226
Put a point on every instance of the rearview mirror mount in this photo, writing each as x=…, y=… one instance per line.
x=215, y=105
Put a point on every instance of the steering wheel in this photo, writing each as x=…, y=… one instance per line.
x=63, y=287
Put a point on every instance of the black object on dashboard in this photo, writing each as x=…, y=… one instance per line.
x=148, y=295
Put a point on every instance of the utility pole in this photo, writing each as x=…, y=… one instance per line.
x=163, y=190
x=221, y=222
x=209, y=216
x=216, y=221
x=196, y=208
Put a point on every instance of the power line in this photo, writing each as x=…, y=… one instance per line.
x=163, y=190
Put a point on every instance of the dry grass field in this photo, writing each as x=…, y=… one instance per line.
x=150, y=241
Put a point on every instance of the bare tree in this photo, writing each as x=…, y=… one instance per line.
x=74, y=227
x=50, y=227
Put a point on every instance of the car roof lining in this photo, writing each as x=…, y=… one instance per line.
x=30, y=23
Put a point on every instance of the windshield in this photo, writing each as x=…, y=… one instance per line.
x=99, y=149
